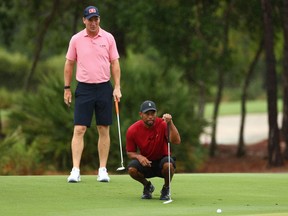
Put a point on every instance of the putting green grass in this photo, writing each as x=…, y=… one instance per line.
x=192, y=194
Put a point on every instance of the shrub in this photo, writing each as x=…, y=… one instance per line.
x=13, y=69
x=47, y=124
x=147, y=77
x=16, y=157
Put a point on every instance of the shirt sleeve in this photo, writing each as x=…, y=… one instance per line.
x=130, y=144
x=71, y=53
x=113, y=51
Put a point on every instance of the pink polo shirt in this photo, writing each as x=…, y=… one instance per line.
x=93, y=56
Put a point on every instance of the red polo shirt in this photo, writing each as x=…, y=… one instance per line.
x=151, y=142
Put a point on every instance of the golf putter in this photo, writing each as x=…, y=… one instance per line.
x=119, y=134
x=169, y=171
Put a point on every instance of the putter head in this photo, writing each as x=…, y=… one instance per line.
x=168, y=201
x=120, y=168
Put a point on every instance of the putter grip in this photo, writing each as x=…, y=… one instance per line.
x=116, y=107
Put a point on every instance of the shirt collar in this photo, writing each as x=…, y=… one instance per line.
x=100, y=33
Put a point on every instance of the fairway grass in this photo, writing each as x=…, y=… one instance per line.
x=234, y=107
x=192, y=194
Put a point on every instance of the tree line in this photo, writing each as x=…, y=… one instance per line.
x=210, y=46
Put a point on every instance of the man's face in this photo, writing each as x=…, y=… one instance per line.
x=148, y=117
x=92, y=24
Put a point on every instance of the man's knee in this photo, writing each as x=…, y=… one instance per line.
x=132, y=171
x=165, y=168
x=79, y=130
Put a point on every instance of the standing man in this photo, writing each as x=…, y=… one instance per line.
x=95, y=52
x=146, y=145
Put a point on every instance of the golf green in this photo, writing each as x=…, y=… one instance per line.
x=192, y=194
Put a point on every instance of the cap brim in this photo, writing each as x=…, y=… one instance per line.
x=149, y=109
x=91, y=15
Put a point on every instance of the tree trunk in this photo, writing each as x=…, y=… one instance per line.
x=39, y=43
x=285, y=79
x=2, y=135
x=213, y=145
x=274, y=152
x=221, y=71
x=202, y=99
x=77, y=7
x=241, y=143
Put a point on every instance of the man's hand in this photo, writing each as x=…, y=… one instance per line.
x=117, y=94
x=167, y=117
x=67, y=97
x=144, y=161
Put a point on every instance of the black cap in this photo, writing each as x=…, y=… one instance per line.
x=90, y=11
x=147, y=106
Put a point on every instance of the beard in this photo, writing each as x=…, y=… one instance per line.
x=149, y=123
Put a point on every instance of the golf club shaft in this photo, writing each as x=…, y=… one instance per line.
x=119, y=131
x=169, y=158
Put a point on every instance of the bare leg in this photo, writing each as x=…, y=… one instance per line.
x=103, y=144
x=77, y=144
x=133, y=172
x=165, y=173
x=148, y=187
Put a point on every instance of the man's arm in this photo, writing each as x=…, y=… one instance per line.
x=116, y=75
x=68, y=72
x=143, y=160
x=174, y=134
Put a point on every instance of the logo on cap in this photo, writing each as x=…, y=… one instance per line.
x=147, y=105
x=92, y=10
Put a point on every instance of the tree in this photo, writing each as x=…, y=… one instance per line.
x=221, y=71
x=45, y=29
x=40, y=40
x=247, y=80
x=285, y=78
x=274, y=151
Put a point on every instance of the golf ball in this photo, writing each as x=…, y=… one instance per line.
x=219, y=211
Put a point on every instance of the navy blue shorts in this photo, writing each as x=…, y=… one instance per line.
x=154, y=170
x=90, y=98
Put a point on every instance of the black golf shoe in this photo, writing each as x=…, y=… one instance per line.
x=147, y=191
x=165, y=193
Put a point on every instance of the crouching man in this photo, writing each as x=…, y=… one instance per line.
x=147, y=146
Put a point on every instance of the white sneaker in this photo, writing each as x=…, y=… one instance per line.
x=103, y=175
x=74, y=176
